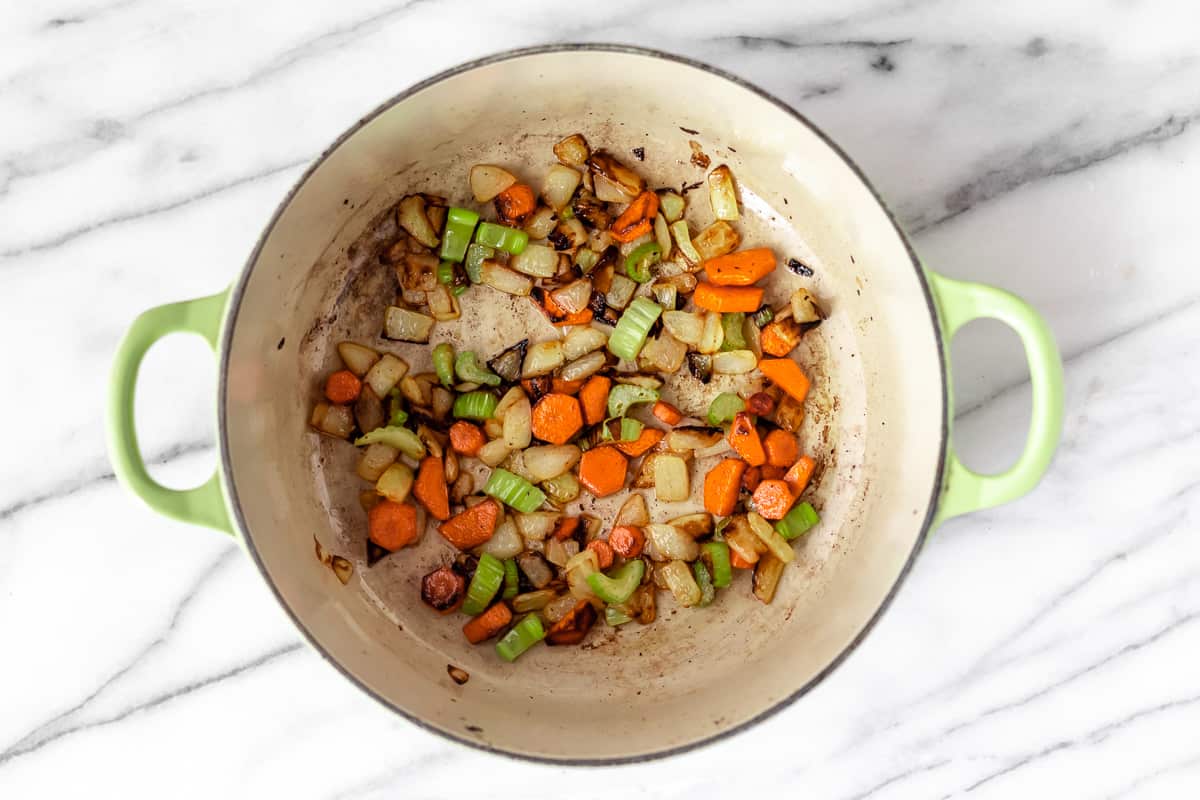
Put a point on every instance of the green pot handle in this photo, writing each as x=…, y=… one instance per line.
x=960, y=302
x=203, y=505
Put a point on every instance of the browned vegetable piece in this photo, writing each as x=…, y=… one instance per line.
x=790, y=414
x=760, y=404
x=368, y=410
x=573, y=626
x=443, y=589
x=459, y=676
x=591, y=212
x=647, y=604
x=606, y=165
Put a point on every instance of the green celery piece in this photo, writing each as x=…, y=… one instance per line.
x=621, y=584
x=488, y=577
x=510, y=240
x=639, y=262
x=798, y=521
x=731, y=323
x=705, y=582
x=633, y=327
x=514, y=491
x=475, y=405
x=443, y=363
x=717, y=556
x=524, y=635
x=631, y=429
x=614, y=616
x=460, y=225
x=402, y=439
x=624, y=395
x=476, y=255
x=469, y=369
x=512, y=581
x=724, y=407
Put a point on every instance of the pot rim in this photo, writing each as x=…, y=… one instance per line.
x=234, y=306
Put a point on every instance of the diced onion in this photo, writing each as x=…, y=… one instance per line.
x=540, y=223
x=633, y=512
x=506, y=542
x=535, y=260
x=620, y=292
x=494, y=452
x=442, y=304
x=386, y=373
x=537, y=525
x=573, y=297
x=722, y=193
x=670, y=205
x=407, y=326
x=411, y=216
x=503, y=279
x=734, y=362
x=581, y=341
x=357, y=358
x=716, y=240
x=338, y=422
x=560, y=184
x=549, y=461
x=686, y=326
x=488, y=180
x=573, y=150
x=682, y=583
x=518, y=424
x=713, y=335
x=667, y=543
x=542, y=358
x=671, y=479
x=375, y=459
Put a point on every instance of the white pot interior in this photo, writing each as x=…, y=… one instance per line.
x=875, y=421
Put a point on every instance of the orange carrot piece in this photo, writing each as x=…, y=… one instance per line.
x=578, y=318
x=627, y=541
x=594, y=398
x=602, y=470
x=487, y=624
x=742, y=268
x=516, y=202
x=466, y=438
x=564, y=386
x=646, y=439
x=727, y=298
x=721, y=486
x=743, y=438
x=667, y=413
x=603, y=551
x=775, y=341
x=770, y=472
x=557, y=418
x=392, y=525
x=787, y=375
x=781, y=448
x=751, y=478
x=737, y=562
x=566, y=528
x=430, y=488
x=773, y=499
x=800, y=474
x=635, y=220
x=342, y=387
x=473, y=526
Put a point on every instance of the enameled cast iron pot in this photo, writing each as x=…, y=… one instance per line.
x=879, y=418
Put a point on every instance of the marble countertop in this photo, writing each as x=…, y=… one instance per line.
x=1043, y=649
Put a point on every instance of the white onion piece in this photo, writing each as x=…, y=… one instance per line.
x=503, y=279
x=506, y=542
x=581, y=341
x=671, y=478
x=559, y=185
x=405, y=325
x=488, y=180
x=573, y=297
x=542, y=358
x=585, y=367
x=667, y=543
x=386, y=373
x=535, y=260
x=537, y=525
x=358, y=358
x=734, y=362
x=549, y=461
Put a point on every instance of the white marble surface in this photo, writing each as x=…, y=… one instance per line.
x=1045, y=649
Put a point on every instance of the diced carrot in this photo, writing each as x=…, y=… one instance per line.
x=727, y=298
x=594, y=398
x=751, y=478
x=473, y=526
x=800, y=474
x=667, y=413
x=430, y=488
x=573, y=625
x=787, y=375
x=466, y=438
x=721, y=486
x=780, y=337
x=564, y=386
x=635, y=220
x=773, y=499
x=603, y=551
x=516, y=202
x=578, y=318
x=602, y=470
x=742, y=268
x=557, y=418
x=487, y=624
x=627, y=541
x=737, y=562
x=342, y=387
x=646, y=439
x=392, y=525
x=537, y=386
x=743, y=437
x=566, y=528
x=781, y=448
x=770, y=472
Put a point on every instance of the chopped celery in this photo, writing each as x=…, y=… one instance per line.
x=508, y=239
x=486, y=581
x=445, y=272
x=705, y=582
x=631, y=429
x=443, y=363
x=724, y=407
x=524, y=635
x=614, y=616
x=514, y=491
x=460, y=225
x=639, y=262
x=716, y=555
x=402, y=439
x=475, y=405
x=620, y=585
x=683, y=240
x=731, y=324
x=476, y=255
x=624, y=395
x=512, y=581
x=632, y=328
x=397, y=416
x=468, y=369
x=798, y=521
x=763, y=316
